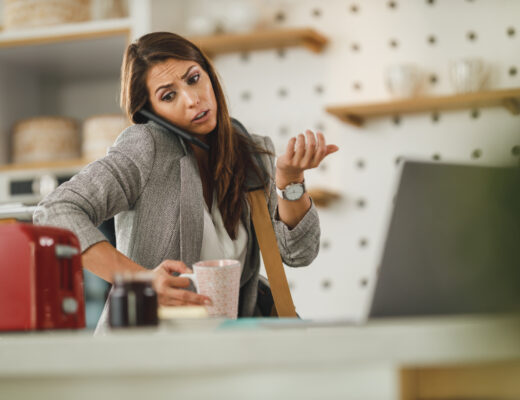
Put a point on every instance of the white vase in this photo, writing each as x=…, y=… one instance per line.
x=468, y=75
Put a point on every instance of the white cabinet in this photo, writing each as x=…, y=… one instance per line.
x=72, y=70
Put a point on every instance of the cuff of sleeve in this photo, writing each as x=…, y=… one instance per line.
x=89, y=237
x=81, y=226
x=305, y=224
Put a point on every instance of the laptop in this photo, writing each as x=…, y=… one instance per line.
x=452, y=246
x=453, y=242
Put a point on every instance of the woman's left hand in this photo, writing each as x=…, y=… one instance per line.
x=301, y=155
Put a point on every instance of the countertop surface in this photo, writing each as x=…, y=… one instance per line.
x=215, y=344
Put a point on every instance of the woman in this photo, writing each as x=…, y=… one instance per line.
x=174, y=203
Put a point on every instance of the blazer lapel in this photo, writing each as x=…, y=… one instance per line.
x=191, y=211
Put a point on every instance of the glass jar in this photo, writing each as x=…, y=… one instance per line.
x=133, y=301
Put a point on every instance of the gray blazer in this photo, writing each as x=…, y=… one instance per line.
x=150, y=182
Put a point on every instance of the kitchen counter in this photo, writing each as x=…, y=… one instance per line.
x=380, y=360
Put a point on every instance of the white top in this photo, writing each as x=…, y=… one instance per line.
x=216, y=243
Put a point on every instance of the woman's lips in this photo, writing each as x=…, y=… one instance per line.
x=202, y=119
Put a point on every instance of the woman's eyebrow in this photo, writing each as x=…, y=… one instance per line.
x=182, y=78
x=163, y=87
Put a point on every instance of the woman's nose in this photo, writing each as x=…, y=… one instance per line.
x=191, y=98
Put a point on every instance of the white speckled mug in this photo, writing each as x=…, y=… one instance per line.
x=220, y=281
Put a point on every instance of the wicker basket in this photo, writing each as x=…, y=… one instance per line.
x=45, y=139
x=31, y=13
x=99, y=133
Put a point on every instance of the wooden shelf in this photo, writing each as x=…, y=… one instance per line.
x=356, y=114
x=68, y=50
x=323, y=197
x=65, y=32
x=261, y=40
x=76, y=163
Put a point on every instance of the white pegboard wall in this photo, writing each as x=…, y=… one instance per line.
x=282, y=93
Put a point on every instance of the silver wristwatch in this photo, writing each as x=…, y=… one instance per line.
x=292, y=192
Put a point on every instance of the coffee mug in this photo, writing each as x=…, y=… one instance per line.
x=220, y=281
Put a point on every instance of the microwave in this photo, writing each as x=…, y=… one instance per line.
x=29, y=185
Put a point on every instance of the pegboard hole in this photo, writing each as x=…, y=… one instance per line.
x=355, y=47
x=430, y=2
x=476, y=154
x=354, y=9
x=394, y=43
x=323, y=167
x=245, y=96
x=284, y=131
x=244, y=56
x=436, y=117
x=316, y=13
x=319, y=127
x=325, y=244
x=511, y=31
x=282, y=92
x=475, y=114
x=281, y=53
x=360, y=164
x=396, y=119
x=357, y=86
x=436, y=157
x=432, y=40
x=471, y=36
x=392, y=5
x=363, y=242
x=326, y=284
x=280, y=17
x=398, y=160
x=513, y=71
x=319, y=89
x=363, y=282
x=516, y=150
x=361, y=203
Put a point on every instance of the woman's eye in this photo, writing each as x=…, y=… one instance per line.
x=168, y=96
x=194, y=79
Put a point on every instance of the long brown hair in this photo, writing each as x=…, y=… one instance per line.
x=230, y=157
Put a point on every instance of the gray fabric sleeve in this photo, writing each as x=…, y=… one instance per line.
x=102, y=189
x=298, y=246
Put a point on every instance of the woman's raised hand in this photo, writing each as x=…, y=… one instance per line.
x=302, y=152
x=171, y=290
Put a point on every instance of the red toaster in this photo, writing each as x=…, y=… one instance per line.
x=41, y=278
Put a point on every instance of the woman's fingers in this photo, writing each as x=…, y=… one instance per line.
x=321, y=150
x=331, y=148
x=304, y=152
x=310, y=149
x=299, y=150
x=290, y=148
x=177, y=297
x=175, y=266
x=173, y=281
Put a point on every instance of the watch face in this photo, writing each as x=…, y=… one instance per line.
x=294, y=191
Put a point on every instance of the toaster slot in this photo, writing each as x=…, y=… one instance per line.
x=66, y=275
x=64, y=253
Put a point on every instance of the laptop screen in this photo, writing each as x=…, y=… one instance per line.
x=453, y=243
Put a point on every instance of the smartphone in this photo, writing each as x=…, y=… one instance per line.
x=148, y=115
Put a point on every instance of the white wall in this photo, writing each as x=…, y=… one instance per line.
x=339, y=282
